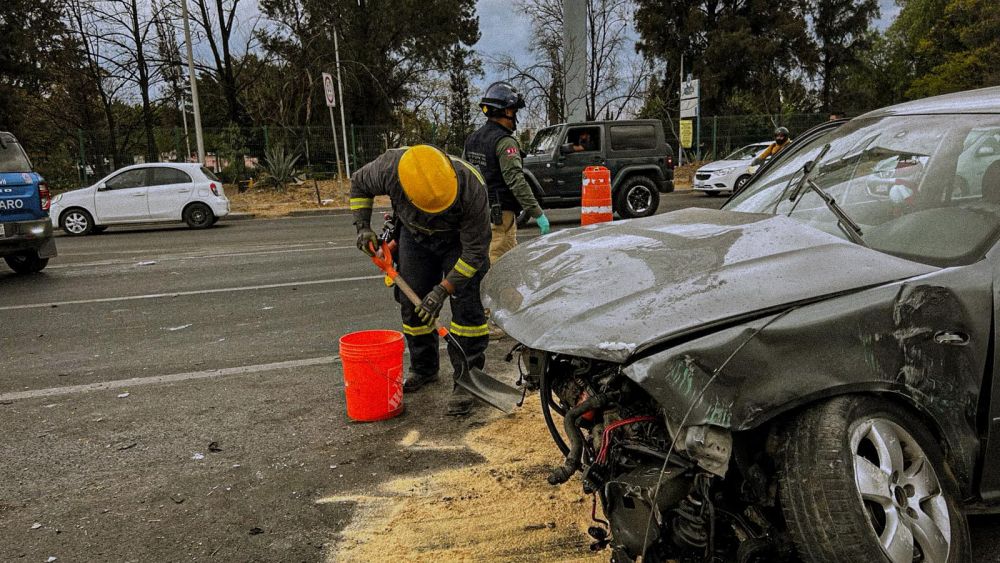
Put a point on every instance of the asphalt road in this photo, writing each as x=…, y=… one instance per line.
x=138, y=348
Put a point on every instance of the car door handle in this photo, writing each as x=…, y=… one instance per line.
x=138, y=195
x=951, y=338
x=183, y=191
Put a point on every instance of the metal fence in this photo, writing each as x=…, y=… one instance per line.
x=238, y=153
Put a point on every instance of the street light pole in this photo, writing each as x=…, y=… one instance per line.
x=340, y=93
x=192, y=77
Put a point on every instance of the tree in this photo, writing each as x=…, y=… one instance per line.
x=615, y=80
x=843, y=33
x=386, y=47
x=961, y=49
x=464, y=65
x=218, y=22
x=33, y=34
x=750, y=55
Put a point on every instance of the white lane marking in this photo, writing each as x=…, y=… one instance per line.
x=184, y=293
x=198, y=257
x=171, y=378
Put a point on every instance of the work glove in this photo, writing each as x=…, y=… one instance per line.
x=366, y=240
x=543, y=224
x=430, y=307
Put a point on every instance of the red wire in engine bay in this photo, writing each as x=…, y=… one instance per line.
x=602, y=456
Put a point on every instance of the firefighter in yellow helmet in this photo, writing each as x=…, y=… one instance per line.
x=441, y=206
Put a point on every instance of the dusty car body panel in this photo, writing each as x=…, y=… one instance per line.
x=612, y=291
x=891, y=339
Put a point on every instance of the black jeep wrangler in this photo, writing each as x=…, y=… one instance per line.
x=639, y=158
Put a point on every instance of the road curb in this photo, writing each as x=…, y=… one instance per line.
x=238, y=217
x=322, y=212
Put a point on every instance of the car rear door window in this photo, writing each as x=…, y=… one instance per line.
x=129, y=179
x=633, y=137
x=209, y=174
x=168, y=176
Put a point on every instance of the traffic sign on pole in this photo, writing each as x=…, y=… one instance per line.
x=330, y=93
x=687, y=133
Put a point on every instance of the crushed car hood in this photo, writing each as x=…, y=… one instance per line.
x=609, y=291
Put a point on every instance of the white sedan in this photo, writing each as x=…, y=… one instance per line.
x=144, y=193
x=728, y=174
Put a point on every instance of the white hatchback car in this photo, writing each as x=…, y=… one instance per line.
x=144, y=193
x=729, y=173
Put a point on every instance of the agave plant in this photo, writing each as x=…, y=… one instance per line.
x=279, y=166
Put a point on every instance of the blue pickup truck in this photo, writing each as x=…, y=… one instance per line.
x=26, y=242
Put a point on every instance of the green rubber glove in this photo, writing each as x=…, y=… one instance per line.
x=543, y=224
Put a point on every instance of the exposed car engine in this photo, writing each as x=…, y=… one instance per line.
x=668, y=492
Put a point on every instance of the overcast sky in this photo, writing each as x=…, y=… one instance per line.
x=507, y=30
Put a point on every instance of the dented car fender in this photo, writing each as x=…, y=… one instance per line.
x=923, y=341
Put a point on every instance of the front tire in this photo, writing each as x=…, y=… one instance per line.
x=27, y=262
x=864, y=480
x=76, y=222
x=637, y=197
x=740, y=182
x=198, y=216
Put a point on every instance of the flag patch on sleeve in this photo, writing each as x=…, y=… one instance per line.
x=511, y=151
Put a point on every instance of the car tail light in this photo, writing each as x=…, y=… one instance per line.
x=44, y=196
x=214, y=188
x=669, y=160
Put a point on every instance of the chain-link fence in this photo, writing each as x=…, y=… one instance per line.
x=717, y=136
x=237, y=153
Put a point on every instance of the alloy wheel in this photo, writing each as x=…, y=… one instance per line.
x=639, y=199
x=75, y=222
x=901, y=493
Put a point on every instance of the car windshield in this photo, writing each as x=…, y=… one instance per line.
x=922, y=187
x=12, y=158
x=545, y=140
x=746, y=153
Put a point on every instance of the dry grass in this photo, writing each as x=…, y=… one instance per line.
x=268, y=202
x=684, y=175
x=501, y=510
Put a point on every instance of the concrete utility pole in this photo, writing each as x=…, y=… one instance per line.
x=194, y=84
x=340, y=93
x=575, y=37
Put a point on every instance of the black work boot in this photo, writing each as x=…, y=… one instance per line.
x=460, y=403
x=414, y=381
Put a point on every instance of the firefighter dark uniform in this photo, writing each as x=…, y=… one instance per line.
x=441, y=205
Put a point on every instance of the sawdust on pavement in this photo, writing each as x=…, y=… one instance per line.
x=500, y=510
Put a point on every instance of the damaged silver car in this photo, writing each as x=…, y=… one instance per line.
x=807, y=374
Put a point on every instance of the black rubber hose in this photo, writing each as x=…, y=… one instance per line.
x=545, y=390
x=571, y=424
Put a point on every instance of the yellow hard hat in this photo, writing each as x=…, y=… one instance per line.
x=428, y=178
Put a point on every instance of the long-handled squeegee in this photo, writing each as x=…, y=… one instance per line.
x=474, y=380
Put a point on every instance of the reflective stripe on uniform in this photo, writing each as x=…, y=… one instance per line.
x=471, y=169
x=469, y=331
x=361, y=203
x=417, y=330
x=464, y=268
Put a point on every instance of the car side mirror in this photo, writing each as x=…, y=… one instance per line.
x=102, y=187
x=566, y=149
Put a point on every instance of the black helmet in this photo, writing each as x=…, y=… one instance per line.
x=781, y=131
x=499, y=96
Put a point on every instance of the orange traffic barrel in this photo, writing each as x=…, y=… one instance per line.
x=373, y=374
x=596, y=200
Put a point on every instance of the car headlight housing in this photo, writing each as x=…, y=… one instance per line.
x=708, y=446
x=57, y=198
x=725, y=171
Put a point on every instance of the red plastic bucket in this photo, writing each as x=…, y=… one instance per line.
x=373, y=374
